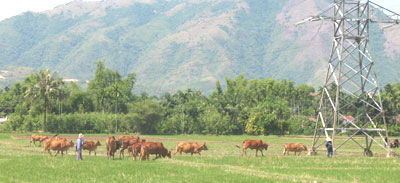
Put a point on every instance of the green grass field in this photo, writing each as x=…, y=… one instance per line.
x=20, y=162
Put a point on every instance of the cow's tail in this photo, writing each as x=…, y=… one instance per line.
x=54, y=136
x=284, y=150
x=237, y=146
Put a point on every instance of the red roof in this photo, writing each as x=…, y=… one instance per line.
x=350, y=118
x=314, y=94
x=312, y=119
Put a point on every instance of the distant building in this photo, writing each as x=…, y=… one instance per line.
x=70, y=80
x=3, y=120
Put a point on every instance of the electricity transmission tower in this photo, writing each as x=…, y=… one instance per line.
x=350, y=101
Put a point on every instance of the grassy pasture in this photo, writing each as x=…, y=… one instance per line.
x=20, y=162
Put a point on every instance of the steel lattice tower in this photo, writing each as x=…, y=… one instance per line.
x=350, y=100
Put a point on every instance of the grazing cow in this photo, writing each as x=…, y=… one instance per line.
x=158, y=149
x=58, y=145
x=258, y=145
x=144, y=153
x=190, y=147
x=294, y=147
x=39, y=138
x=394, y=143
x=91, y=146
x=111, y=146
x=125, y=142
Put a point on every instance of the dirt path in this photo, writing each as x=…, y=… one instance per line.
x=103, y=138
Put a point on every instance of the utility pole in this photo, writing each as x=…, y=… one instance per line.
x=350, y=102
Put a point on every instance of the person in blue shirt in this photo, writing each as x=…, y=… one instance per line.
x=79, y=146
x=329, y=147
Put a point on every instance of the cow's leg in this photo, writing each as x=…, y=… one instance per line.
x=57, y=153
x=89, y=152
x=256, y=152
x=262, y=154
x=176, y=150
x=244, y=151
x=95, y=153
x=48, y=150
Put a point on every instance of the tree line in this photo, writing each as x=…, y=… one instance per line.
x=44, y=102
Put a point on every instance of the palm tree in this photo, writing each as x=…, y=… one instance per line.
x=43, y=86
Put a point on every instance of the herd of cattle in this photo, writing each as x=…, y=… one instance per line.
x=135, y=146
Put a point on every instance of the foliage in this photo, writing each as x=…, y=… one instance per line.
x=255, y=107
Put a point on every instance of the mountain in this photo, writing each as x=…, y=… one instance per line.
x=176, y=44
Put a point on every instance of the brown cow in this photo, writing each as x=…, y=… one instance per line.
x=111, y=146
x=190, y=147
x=258, y=145
x=294, y=147
x=39, y=138
x=125, y=142
x=91, y=146
x=158, y=149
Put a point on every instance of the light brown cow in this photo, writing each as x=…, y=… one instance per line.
x=91, y=146
x=58, y=145
x=111, y=146
x=48, y=142
x=294, y=147
x=39, y=138
x=190, y=147
x=258, y=145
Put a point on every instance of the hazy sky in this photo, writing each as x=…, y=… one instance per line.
x=9, y=8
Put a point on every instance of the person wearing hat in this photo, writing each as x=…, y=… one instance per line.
x=79, y=146
x=329, y=147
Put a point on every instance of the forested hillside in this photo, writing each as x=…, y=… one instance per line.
x=178, y=44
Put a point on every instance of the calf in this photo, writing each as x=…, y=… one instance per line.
x=294, y=147
x=394, y=143
x=190, y=147
x=125, y=142
x=135, y=149
x=144, y=153
x=91, y=146
x=258, y=145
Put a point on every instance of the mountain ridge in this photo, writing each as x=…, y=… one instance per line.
x=172, y=45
